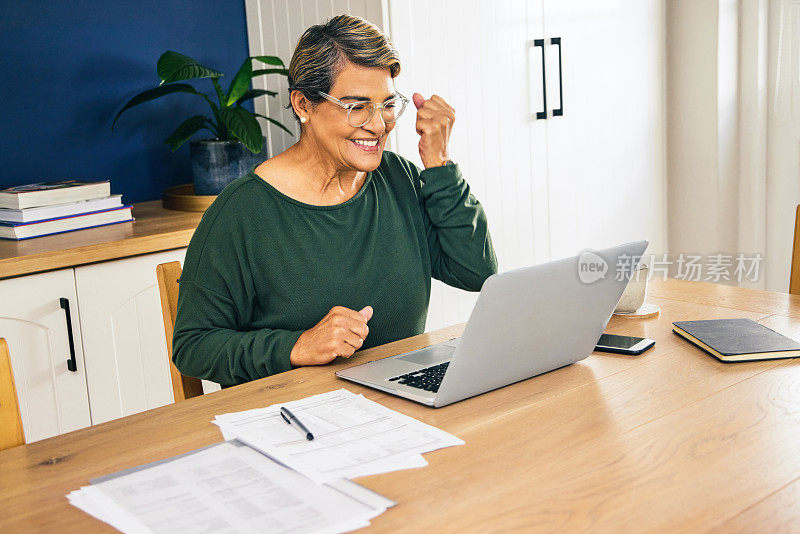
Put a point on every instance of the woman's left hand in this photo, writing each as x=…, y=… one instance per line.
x=435, y=120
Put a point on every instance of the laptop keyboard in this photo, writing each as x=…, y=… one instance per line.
x=429, y=378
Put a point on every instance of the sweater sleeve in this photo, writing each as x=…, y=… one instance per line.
x=456, y=229
x=208, y=343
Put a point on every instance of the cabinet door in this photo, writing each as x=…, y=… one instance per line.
x=480, y=57
x=124, y=344
x=52, y=399
x=605, y=154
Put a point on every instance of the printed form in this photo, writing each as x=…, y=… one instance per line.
x=353, y=436
x=226, y=488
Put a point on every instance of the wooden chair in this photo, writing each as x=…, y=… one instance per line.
x=183, y=387
x=794, y=279
x=11, y=433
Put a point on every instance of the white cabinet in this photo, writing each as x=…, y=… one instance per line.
x=123, y=335
x=606, y=154
x=118, y=343
x=590, y=177
x=52, y=398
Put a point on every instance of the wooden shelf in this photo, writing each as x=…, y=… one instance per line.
x=155, y=229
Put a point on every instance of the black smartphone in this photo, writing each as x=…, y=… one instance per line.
x=623, y=344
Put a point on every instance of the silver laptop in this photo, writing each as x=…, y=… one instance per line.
x=526, y=322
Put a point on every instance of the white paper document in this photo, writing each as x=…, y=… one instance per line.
x=353, y=436
x=226, y=488
x=296, y=485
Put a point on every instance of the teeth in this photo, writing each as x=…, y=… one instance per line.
x=365, y=143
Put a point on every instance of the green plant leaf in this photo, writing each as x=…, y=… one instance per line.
x=250, y=94
x=157, y=92
x=270, y=71
x=173, y=67
x=240, y=82
x=219, y=91
x=276, y=123
x=243, y=126
x=188, y=128
x=269, y=60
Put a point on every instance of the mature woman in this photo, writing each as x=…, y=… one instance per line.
x=329, y=247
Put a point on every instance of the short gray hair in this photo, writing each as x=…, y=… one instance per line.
x=322, y=51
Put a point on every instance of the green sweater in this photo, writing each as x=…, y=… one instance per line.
x=263, y=267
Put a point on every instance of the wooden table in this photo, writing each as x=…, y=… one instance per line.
x=671, y=440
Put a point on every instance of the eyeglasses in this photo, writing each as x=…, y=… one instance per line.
x=361, y=112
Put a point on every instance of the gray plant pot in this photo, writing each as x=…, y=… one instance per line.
x=215, y=163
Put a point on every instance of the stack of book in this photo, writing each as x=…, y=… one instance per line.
x=47, y=208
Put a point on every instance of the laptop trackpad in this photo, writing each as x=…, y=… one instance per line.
x=429, y=355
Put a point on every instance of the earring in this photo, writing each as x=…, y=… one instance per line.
x=303, y=120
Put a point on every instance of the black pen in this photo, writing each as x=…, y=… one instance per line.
x=294, y=421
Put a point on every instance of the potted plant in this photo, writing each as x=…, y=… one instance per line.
x=238, y=143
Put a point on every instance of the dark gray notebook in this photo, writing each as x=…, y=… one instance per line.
x=736, y=340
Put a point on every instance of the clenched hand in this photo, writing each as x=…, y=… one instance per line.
x=435, y=120
x=340, y=333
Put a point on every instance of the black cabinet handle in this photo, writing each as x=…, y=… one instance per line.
x=542, y=114
x=560, y=111
x=72, y=363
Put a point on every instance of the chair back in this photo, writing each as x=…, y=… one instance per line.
x=11, y=433
x=168, y=274
x=794, y=278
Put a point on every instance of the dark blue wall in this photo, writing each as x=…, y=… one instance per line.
x=69, y=66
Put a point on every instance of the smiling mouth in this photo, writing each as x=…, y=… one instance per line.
x=367, y=144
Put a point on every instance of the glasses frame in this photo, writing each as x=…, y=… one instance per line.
x=375, y=107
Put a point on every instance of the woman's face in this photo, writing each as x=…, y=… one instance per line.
x=328, y=125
